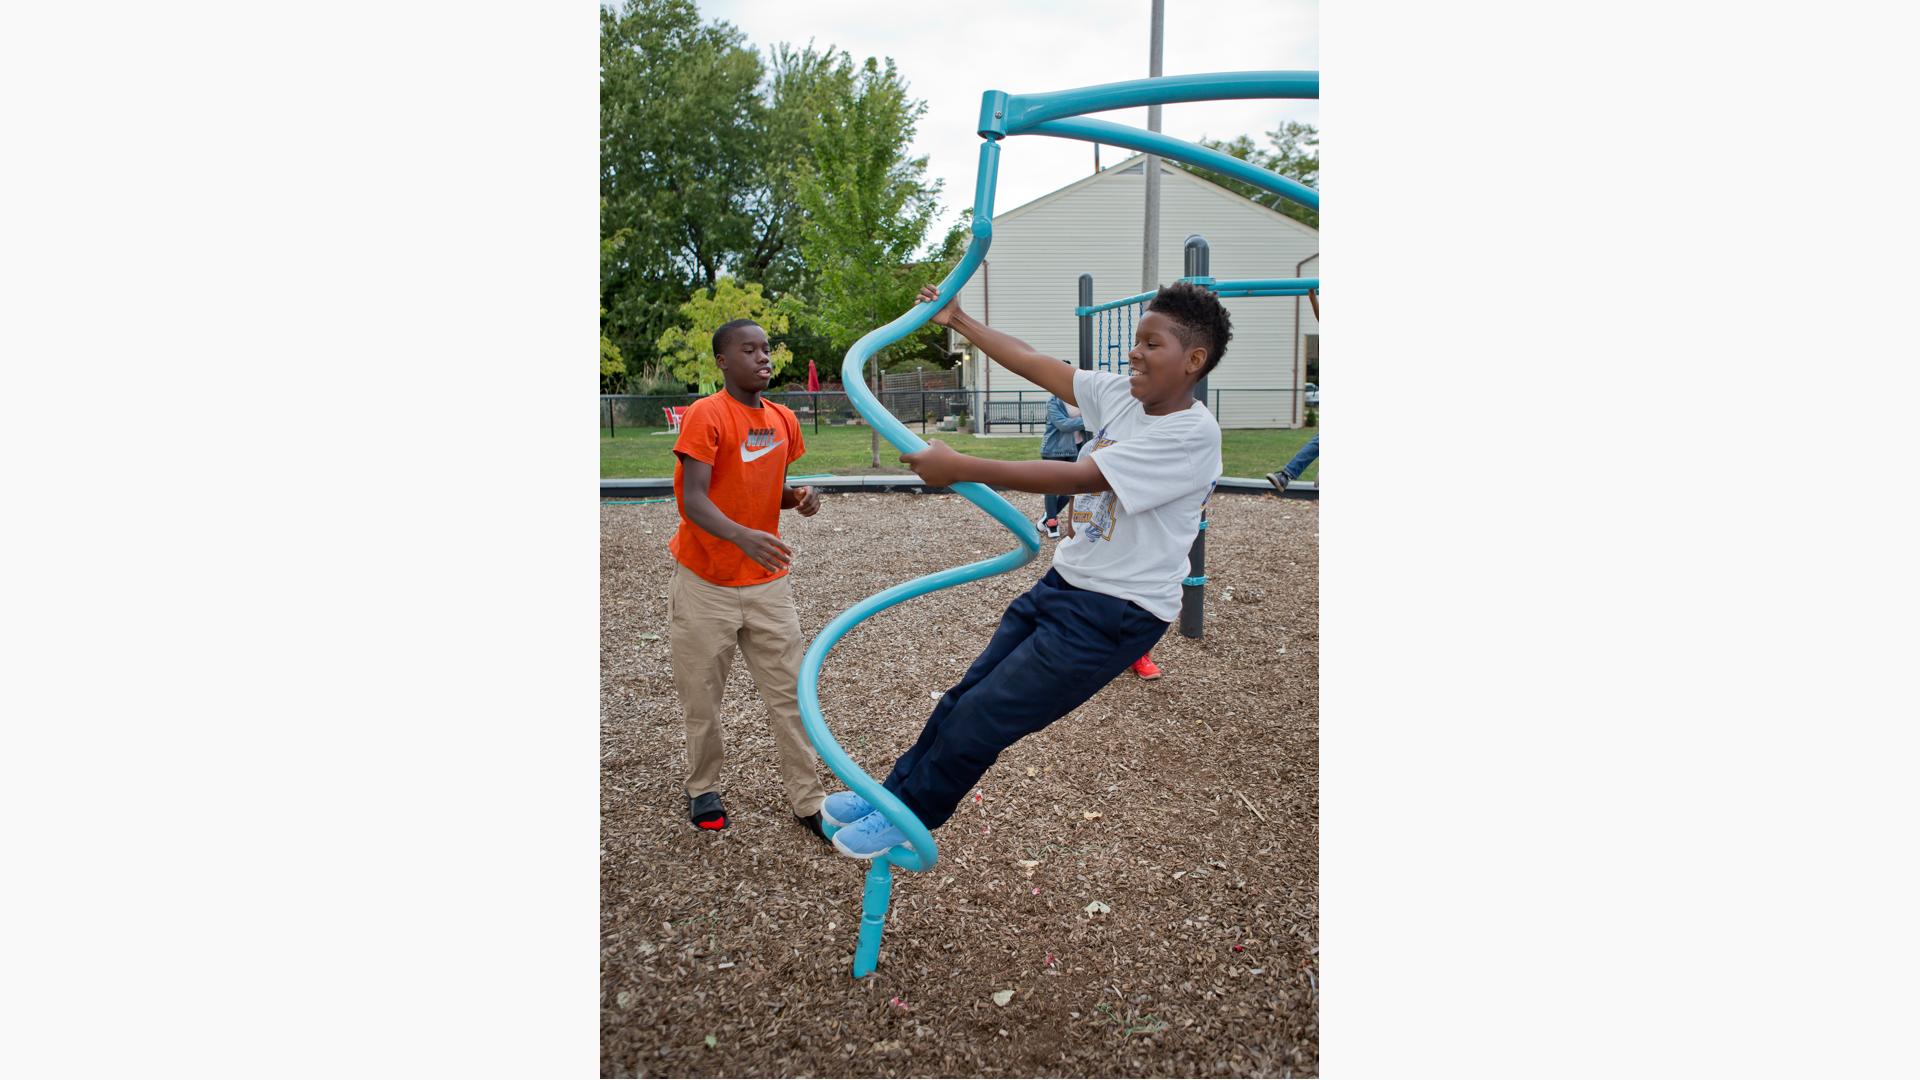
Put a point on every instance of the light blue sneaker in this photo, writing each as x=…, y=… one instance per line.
x=843, y=809
x=868, y=838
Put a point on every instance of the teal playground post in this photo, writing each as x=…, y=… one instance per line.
x=1002, y=115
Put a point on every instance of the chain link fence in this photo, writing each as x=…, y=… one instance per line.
x=1022, y=412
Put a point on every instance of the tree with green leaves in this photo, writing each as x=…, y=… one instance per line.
x=612, y=364
x=793, y=174
x=688, y=348
x=1293, y=151
x=680, y=173
x=866, y=206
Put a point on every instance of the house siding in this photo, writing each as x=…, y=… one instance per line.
x=1030, y=283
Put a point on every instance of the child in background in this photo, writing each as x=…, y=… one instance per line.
x=730, y=587
x=1114, y=587
x=1309, y=453
x=1066, y=430
x=1291, y=471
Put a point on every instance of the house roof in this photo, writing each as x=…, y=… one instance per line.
x=1166, y=169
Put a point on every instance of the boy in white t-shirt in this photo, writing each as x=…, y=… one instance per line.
x=1137, y=486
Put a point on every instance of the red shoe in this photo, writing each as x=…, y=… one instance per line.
x=1146, y=668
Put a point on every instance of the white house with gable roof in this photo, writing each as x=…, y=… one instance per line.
x=1029, y=284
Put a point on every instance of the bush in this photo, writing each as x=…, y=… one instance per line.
x=654, y=381
x=1313, y=417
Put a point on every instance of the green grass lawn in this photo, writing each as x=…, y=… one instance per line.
x=637, y=452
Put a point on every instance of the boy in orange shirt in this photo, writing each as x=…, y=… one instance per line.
x=730, y=587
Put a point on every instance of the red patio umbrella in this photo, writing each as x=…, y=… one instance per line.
x=813, y=378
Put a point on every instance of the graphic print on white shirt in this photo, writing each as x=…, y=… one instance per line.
x=1094, y=510
x=1132, y=541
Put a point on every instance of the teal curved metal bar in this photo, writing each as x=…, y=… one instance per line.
x=1040, y=114
x=1152, y=142
x=1278, y=287
x=1003, y=114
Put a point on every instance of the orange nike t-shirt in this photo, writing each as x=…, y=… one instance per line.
x=749, y=450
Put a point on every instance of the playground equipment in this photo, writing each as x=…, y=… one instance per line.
x=1106, y=336
x=1002, y=115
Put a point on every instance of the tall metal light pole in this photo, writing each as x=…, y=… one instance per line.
x=1150, y=246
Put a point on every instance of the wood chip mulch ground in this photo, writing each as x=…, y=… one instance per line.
x=1142, y=875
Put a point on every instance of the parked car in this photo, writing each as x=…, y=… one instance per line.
x=1313, y=394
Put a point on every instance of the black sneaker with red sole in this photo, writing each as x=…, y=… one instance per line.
x=706, y=812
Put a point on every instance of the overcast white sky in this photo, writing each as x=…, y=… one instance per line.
x=949, y=54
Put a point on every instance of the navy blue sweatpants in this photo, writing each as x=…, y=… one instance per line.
x=1056, y=646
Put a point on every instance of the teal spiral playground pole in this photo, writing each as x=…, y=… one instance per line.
x=1002, y=115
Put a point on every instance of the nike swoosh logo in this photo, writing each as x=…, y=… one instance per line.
x=749, y=455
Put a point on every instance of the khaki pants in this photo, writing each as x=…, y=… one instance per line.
x=707, y=622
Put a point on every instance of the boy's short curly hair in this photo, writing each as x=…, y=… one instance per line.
x=721, y=335
x=1199, y=319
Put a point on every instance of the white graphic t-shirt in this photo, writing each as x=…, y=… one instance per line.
x=1132, y=542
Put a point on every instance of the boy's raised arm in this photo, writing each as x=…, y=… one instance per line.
x=1008, y=351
